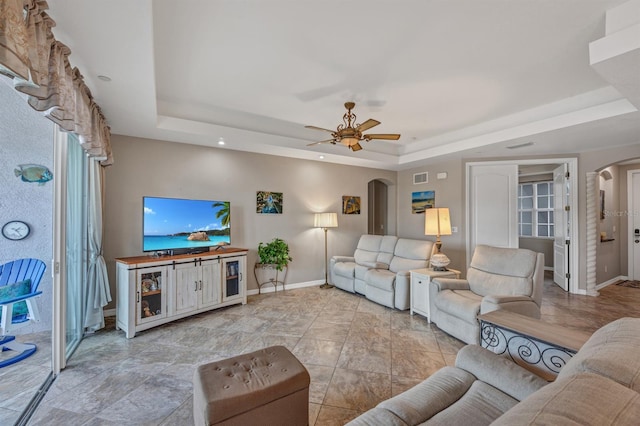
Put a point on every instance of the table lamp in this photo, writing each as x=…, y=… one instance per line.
x=437, y=222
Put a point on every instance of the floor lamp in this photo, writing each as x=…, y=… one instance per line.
x=324, y=221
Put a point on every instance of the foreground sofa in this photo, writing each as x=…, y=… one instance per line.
x=379, y=268
x=600, y=385
x=498, y=278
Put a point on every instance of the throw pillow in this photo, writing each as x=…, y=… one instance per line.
x=11, y=291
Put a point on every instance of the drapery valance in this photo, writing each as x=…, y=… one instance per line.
x=40, y=68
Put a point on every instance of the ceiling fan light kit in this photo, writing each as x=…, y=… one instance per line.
x=350, y=134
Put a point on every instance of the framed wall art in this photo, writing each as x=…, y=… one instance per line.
x=350, y=204
x=422, y=200
x=269, y=202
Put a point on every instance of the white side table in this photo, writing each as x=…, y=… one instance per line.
x=420, y=279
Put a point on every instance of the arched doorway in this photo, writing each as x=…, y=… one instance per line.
x=378, y=208
x=381, y=207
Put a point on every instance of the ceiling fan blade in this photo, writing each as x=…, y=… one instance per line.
x=387, y=136
x=327, y=141
x=355, y=147
x=367, y=125
x=319, y=128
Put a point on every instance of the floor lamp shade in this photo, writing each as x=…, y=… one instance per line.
x=325, y=220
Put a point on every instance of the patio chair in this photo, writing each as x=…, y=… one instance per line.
x=19, y=282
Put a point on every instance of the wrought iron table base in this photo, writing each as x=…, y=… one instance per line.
x=542, y=358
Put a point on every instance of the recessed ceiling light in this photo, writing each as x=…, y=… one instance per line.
x=221, y=141
x=104, y=78
x=321, y=157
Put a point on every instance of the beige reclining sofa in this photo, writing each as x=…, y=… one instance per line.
x=600, y=385
x=379, y=268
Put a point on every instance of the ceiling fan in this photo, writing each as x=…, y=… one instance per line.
x=350, y=133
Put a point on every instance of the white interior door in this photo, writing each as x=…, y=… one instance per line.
x=561, y=227
x=633, y=191
x=493, y=210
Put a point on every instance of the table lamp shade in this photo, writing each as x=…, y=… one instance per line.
x=325, y=220
x=437, y=221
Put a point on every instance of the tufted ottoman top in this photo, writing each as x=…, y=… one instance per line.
x=238, y=384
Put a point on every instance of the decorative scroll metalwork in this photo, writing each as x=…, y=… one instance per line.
x=532, y=354
x=264, y=274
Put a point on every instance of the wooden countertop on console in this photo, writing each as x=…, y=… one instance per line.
x=150, y=259
x=540, y=330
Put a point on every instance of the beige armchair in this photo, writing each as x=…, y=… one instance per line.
x=498, y=278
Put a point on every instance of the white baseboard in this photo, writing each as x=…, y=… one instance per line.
x=611, y=281
x=271, y=289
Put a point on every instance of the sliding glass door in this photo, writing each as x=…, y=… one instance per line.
x=69, y=246
x=76, y=241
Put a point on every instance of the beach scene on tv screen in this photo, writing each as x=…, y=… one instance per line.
x=171, y=223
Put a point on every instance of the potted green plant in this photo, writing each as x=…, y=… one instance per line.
x=272, y=256
x=274, y=253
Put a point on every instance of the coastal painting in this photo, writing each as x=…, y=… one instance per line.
x=420, y=201
x=350, y=204
x=269, y=202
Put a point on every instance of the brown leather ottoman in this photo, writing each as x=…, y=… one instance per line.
x=265, y=387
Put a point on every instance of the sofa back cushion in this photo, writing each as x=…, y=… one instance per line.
x=375, y=251
x=612, y=352
x=387, y=247
x=502, y=271
x=411, y=254
x=368, y=249
x=583, y=399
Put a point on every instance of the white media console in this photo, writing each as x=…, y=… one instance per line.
x=156, y=290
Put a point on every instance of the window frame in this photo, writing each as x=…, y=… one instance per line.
x=535, y=209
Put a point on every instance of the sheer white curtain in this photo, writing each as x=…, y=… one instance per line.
x=97, y=291
x=75, y=240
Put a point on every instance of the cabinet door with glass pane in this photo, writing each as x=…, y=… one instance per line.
x=233, y=285
x=151, y=301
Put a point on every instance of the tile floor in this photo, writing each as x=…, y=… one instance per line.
x=19, y=382
x=357, y=352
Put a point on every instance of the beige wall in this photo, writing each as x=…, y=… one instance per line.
x=540, y=245
x=595, y=161
x=147, y=167
x=157, y=168
x=449, y=193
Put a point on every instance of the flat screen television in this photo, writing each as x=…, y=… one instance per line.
x=184, y=226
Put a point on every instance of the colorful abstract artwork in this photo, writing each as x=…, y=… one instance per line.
x=350, y=204
x=269, y=202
